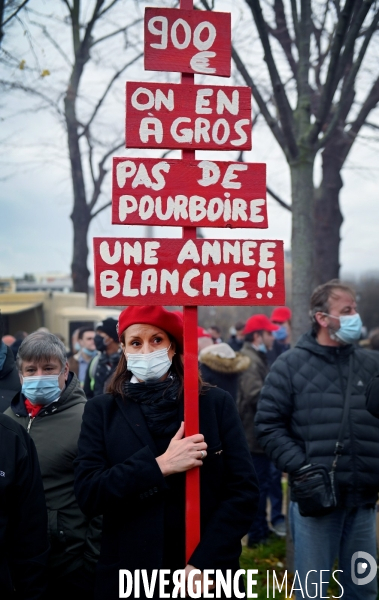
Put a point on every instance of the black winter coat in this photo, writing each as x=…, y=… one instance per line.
x=300, y=412
x=23, y=518
x=117, y=476
x=372, y=395
x=55, y=431
x=9, y=381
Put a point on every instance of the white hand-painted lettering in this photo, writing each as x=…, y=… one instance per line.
x=200, y=63
x=162, y=45
x=223, y=102
x=202, y=106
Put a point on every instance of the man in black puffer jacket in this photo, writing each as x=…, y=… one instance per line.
x=298, y=423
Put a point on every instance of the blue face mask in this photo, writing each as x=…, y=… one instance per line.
x=41, y=389
x=148, y=367
x=89, y=352
x=260, y=348
x=280, y=334
x=77, y=346
x=350, y=328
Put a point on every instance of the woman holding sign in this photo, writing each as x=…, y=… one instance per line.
x=132, y=459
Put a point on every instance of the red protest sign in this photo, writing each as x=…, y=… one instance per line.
x=188, y=272
x=188, y=41
x=165, y=115
x=199, y=193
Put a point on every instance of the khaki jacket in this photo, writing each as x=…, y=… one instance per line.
x=249, y=389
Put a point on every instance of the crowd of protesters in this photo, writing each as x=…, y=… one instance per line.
x=93, y=452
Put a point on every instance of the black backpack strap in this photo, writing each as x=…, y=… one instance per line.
x=339, y=444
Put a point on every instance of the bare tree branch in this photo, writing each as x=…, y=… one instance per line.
x=279, y=200
x=337, y=63
x=295, y=20
x=54, y=43
x=107, y=90
x=372, y=125
x=318, y=34
x=351, y=37
x=99, y=210
x=116, y=32
x=33, y=92
x=348, y=85
x=281, y=33
x=269, y=190
x=24, y=3
x=102, y=172
x=271, y=121
x=305, y=28
x=107, y=8
x=283, y=105
x=369, y=104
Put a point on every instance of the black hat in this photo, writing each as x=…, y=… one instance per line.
x=109, y=326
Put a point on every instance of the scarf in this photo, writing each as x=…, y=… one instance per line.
x=159, y=402
x=33, y=409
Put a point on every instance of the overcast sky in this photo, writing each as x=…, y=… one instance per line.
x=35, y=197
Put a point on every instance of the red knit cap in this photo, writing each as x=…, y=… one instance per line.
x=281, y=314
x=201, y=332
x=152, y=315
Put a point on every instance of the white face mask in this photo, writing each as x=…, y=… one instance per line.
x=147, y=367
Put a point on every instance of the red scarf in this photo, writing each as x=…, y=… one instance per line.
x=33, y=409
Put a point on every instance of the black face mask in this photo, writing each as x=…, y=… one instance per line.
x=99, y=343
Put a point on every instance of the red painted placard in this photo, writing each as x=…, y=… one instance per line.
x=199, y=193
x=204, y=117
x=188, y=41
x=188, y=272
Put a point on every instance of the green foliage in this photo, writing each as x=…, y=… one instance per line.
x=266, y=557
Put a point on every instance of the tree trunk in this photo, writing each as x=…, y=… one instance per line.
x=328, y=217
x=79, y=269
x=302, y=240
x=80, y=215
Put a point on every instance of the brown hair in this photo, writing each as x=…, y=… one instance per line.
x=320, y=298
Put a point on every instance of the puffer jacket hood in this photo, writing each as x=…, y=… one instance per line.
x=225, y=365
x=329, y=353
x=300, y=412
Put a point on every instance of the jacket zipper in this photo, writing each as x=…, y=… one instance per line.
x=31, y=419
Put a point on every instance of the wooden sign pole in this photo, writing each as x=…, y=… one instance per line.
x=191, y=370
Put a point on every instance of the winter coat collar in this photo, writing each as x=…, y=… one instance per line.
x=133, y=414
x=225, y=365
x=253, y=354
x=71, y=395
x=329, y=353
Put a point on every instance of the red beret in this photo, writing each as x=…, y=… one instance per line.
x=152, y=315
x=178, y=312
x=259, y=323
x=281, y=314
